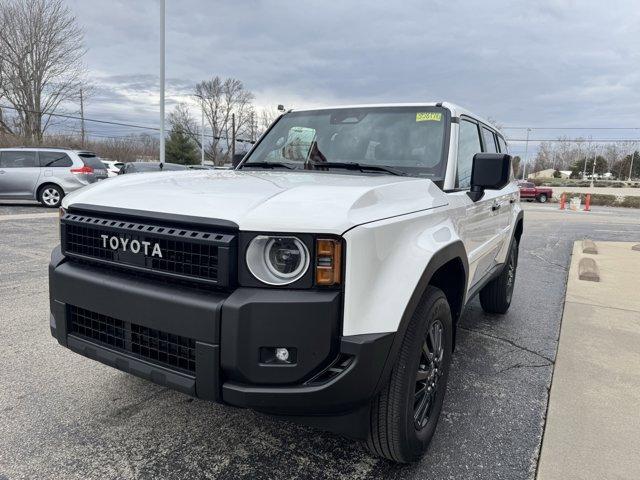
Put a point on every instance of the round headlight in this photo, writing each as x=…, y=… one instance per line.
x=277, y=260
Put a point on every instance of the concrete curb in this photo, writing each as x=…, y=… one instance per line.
x=589, y=246
x=592, y=429
x=588, y=270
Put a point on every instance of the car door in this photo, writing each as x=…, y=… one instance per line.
x=19, y=173
x=503, y=199
x=480, y=228
x=511, y=193
x=527, y=190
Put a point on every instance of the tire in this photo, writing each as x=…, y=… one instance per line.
x=495, y=297
x=542, y=198
x=394, y=431
x=50, y=195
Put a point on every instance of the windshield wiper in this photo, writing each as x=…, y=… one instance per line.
x=268, y=165
x=358, y=166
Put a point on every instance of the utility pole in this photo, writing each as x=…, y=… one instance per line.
x=201, y=128
x=202, y=135
x=82, y=117
x=162, y=22
x=633, y=154
x=253, y=126
x=584, y=172
x=233, y=136
x=526, y=153
x=593, y=170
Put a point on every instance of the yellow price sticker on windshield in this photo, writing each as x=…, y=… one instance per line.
x=428, y=116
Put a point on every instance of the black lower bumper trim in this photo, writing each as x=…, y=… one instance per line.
x=346, y=392
x=140, y=368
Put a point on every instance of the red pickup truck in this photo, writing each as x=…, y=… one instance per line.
x=528, y=191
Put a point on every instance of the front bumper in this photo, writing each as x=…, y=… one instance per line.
x=332, y=375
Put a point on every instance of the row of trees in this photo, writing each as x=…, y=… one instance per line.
x=579, y=156
x=121, y=149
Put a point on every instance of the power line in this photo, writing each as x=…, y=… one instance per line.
x=578, y=140
x=570, y=128
x=109, y=122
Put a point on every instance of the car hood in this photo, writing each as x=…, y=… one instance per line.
x=266, y=201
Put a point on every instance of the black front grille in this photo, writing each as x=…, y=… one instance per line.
x=182, y=253
x=167, y=349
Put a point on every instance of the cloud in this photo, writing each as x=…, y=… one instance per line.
x=558, y=62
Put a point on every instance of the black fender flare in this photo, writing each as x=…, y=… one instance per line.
x=518, y=226
x=454, y=250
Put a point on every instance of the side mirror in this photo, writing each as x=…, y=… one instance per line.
x=489, y=171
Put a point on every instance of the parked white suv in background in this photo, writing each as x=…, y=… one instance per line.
x=113, y=167
x=46, y=174
x=322, y=279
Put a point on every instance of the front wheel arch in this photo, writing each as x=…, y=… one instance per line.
x=451, y=255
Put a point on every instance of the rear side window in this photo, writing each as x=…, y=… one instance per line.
x=54, y=159
x=91, y=160
x=489, y=141
x=18, y=159
x=503, y=145
x=468, y=146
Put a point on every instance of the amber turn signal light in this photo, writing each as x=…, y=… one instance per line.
x=328, y=261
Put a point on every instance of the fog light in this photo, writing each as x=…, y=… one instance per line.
x=278, y=355
x=282, y=354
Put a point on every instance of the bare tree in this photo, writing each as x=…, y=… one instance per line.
x=181, y=119
x=221, y=99
x=268, y=115
x=41, y=50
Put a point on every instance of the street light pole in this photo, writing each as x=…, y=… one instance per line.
x=526, y=153
x=162, y=5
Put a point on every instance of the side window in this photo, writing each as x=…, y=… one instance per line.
x=468, y=146
x=54, y=159
x=503, y=145
x=18, y=159
x=489, y=141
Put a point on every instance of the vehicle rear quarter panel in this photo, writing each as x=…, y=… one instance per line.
x=62, y=176
x=384, y=262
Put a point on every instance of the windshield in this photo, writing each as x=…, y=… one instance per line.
x=407, y=139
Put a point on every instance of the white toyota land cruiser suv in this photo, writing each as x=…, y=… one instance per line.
x=322, y=279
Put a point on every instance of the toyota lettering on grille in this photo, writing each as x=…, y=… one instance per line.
x=133, y=246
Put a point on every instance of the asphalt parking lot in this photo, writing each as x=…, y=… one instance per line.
x=64, y=416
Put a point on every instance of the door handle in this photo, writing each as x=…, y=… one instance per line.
x=1, y=172
x=495, y=206
x=513, y=200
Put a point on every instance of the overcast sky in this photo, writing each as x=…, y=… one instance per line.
x=538, y=63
